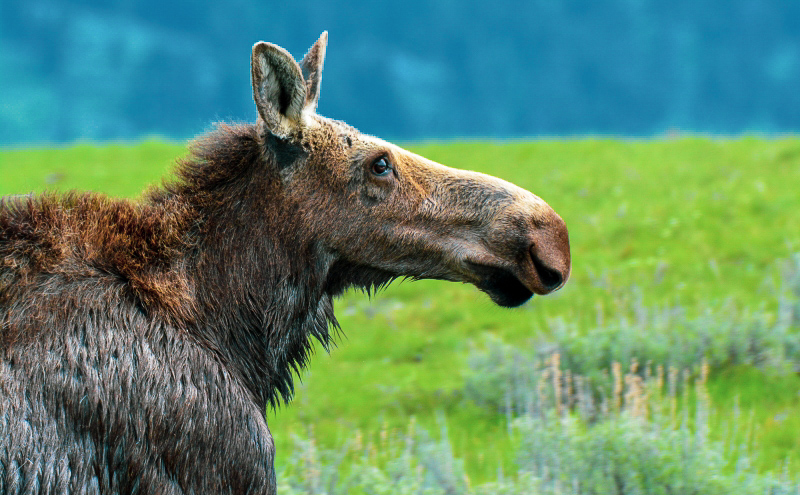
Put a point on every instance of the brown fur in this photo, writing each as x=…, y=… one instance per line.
x=78, y=236
x=140, y=342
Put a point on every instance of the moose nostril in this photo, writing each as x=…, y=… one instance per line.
x=551, y=279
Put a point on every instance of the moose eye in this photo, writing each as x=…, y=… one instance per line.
x=381, y=167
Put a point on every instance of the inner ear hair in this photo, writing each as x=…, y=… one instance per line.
x=279, y=89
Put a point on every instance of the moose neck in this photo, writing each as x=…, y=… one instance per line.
x=260, y=287
x=259, y=309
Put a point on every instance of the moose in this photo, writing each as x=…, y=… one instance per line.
x=141, y=342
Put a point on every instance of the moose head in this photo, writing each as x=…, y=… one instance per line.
x=378, y=211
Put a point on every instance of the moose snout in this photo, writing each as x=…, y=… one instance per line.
x=550, y=255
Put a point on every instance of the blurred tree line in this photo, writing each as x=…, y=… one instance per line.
x=122, y=69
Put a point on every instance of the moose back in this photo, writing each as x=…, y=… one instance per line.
x=141, y=342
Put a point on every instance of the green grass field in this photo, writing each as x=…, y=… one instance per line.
x=694, y=222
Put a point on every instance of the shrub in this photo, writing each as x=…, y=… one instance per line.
x=663, y=338
x=623, y=410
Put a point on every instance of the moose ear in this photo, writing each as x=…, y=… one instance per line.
x=312, y=70
x=278, y=88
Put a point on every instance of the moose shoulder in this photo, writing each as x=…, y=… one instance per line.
x=140, y=342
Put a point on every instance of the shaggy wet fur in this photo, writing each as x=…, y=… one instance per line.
x=131, y=333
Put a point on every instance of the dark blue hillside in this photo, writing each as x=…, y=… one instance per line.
x=89, y=70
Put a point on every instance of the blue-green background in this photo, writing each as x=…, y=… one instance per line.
x=76, y=70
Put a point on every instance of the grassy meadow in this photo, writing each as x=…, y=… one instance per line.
x=683, y=255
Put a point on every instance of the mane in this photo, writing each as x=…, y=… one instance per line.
x=216, y=160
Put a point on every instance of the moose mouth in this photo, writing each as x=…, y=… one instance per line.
x=502, y=286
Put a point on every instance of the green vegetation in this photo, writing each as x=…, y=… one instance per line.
x=682, y=252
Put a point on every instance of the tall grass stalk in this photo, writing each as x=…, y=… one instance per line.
x=646, y=438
